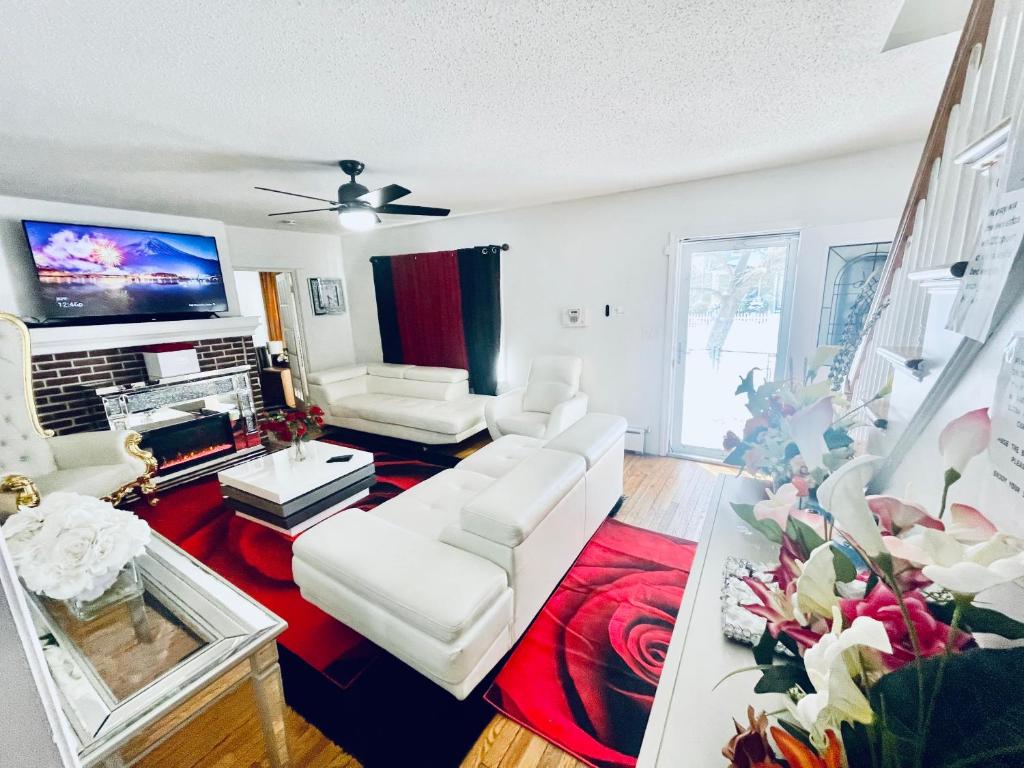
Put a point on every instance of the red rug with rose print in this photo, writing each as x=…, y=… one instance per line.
x=584, y=674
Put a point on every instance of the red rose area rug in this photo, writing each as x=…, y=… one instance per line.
x=585, y=673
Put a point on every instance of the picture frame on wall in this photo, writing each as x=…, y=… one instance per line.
x=327, y=295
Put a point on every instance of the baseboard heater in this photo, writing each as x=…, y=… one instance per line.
x=636, y=439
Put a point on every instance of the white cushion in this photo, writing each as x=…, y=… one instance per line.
x=553, y=380
x=337, y=374
x=524, y=423
x=445, y=416
x=95, y=481
x=428, y=507
x=427, y=390
x=430, y=373
x=497, y=458
x=434, y=587
x=388, y=370
x=590, y=437
x=513, y=505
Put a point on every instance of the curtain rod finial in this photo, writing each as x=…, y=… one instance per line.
x=504, y=246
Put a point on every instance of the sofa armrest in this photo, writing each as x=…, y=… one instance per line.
x=90, y=449
x=564, y=415
x=500, y=406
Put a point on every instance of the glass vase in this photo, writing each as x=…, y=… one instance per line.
x=298, y=449
x=126, y=586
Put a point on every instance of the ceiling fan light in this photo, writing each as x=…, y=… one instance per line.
x=357, y=219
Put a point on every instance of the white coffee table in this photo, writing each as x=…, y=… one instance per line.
x=291, y=496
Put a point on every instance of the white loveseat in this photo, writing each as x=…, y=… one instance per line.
x=449, y=574
x=412, y=402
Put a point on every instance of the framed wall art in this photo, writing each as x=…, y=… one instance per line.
x=327, y=295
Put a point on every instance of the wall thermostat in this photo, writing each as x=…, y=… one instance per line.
x=574, y=317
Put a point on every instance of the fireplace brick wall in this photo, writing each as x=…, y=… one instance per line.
x=65, y=383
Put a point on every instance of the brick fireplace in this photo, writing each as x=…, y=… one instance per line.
x=65, y=383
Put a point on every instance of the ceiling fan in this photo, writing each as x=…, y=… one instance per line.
x=356, y=206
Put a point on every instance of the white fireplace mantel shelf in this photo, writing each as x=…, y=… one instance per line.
x=82, y=338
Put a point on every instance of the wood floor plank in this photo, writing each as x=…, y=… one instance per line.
x=662, y=494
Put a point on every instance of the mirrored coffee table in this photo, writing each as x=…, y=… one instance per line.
x=131, y=677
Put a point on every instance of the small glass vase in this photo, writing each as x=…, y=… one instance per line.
x=126, y=586
x=298, y=449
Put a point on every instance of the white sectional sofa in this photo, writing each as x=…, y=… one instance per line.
x=448, y=575
x=411, y=402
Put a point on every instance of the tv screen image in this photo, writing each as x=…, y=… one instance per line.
x=93, y=272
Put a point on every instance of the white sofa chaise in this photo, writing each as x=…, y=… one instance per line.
x=448, y=575
x=412, y=402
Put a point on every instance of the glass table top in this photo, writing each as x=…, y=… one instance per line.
x=140, y=658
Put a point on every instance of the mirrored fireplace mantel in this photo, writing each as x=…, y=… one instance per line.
x=132, y=405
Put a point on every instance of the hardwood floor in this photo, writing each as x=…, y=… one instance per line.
x=662, y=494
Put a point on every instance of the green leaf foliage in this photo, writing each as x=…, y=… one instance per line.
x=746, y=383
x=846, y=571
x=764, y=651
x=977, y=619
x=781, y=677
x=837, y=438
x=735, y=457
x=767, y=528
x=977, y=714
x=805, y=537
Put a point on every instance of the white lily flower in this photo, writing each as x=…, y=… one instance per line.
x=816, y=585
x=832, y=664
x=978, y=566
x=807, y=428
x=778, y=505
x=842, y=495
x=964, y=438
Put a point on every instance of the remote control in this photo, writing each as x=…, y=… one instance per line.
x=346, y=457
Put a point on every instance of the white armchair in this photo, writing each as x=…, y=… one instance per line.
x=548, y=404
x=33, y=462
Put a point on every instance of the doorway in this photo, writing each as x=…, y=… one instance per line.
x=731, y=309
x=272, y=297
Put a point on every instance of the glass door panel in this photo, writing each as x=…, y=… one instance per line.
x=733, y=298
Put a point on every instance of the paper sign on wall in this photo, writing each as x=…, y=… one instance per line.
x=988, y=267
x=1006, y=449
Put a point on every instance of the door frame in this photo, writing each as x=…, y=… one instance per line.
x=674, y=364
x=300, y=313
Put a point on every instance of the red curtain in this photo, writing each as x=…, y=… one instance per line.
x=427, y=290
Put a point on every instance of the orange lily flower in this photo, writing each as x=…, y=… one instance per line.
x=799, y=755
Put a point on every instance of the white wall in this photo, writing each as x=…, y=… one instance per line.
x=250, y=303
x=328, y=337
x=16, y=271
x=611, y=250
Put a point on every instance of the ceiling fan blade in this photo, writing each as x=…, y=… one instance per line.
x=296, y=194
x=379, y=197
x=413, y=210
x=309, y=210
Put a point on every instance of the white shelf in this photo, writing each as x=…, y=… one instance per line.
x=987, y=149
x=938, y=280
x=82, y=338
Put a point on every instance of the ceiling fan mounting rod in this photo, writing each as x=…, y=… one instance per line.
x=351, y=168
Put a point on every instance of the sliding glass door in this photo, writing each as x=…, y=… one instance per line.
x=732, y=302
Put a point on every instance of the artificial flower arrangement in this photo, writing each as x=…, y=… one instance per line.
x=289, y=426
x=72, y=547
x=875, y=602
x=794, y=434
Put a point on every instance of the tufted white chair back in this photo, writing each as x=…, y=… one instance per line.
x=23, y=446
x=553, y=379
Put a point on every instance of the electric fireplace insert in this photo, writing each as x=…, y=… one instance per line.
x=183, y=444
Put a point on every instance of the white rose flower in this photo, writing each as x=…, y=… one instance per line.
x=73, y=546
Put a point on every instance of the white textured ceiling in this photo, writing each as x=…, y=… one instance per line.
x=183, y=107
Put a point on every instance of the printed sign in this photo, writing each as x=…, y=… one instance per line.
x=999, y=239
x=1006, y=449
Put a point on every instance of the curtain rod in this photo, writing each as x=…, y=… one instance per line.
x=503, y=246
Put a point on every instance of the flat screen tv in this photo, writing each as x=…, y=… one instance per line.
x=109, y=273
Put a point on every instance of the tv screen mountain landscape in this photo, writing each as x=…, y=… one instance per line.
x=94, y=272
